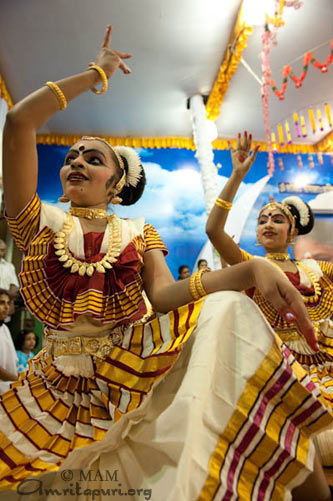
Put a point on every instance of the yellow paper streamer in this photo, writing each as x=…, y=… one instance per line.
x=312, y=120
x=281, y=136
x=320, y=120
x=328, y=114
x=5, y=94
x=287, y=129
x=237, y=41
x=304, y=134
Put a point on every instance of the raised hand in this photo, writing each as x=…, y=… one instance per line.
x=110, y=60
x=240, y=157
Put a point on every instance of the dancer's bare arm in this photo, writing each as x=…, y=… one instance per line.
x=241, y=163
x=165, y=294
x=29, y=115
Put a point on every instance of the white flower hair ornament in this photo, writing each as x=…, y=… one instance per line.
x=134, y=172
x=301, y=207
x=302, y=212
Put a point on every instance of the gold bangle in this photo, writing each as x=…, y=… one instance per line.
x=223, y=204
x=198, y=282
x=103, y=76
x=193, y=290
x=58, y=94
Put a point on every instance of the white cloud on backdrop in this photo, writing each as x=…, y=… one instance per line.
x=322, y=201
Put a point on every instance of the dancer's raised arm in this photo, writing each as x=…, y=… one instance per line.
x=30, y=114
x=241, y=163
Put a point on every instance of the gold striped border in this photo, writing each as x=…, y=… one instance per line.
x=294, y=397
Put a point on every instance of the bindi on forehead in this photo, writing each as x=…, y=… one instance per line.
x=81, y=147
x=273, y=213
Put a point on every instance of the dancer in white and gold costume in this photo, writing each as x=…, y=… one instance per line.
x=198, y=402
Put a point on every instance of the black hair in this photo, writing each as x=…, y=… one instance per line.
x=19, y=341
x=129, y=194
x=201, y=261
x=302, y=230
x=4, y=292
x=182, y=267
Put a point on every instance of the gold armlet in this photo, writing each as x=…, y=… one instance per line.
x=223, y=204
x=58, y=94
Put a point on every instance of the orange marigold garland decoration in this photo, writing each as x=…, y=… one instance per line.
x=288, y=72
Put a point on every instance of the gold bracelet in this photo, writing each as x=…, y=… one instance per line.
x=196, y=288
x=193, y=290
x=58, y=94
x=103, y=76
x=198, y=282
x=223, y=204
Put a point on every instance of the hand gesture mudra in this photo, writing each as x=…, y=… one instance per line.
x=241, y=158
x=110, y=60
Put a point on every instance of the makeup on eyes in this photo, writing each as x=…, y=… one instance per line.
x=72, y=154
x=276, y=218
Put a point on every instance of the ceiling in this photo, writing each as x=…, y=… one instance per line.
x=177, y=46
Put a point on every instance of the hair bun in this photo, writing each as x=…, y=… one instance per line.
x=134, y=166
x=304, y=219
x=135, y=175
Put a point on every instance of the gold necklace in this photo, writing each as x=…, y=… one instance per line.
x=88, y=213
x=278, y=256
x=314, y=282
x=313, y=279
x=69, y=261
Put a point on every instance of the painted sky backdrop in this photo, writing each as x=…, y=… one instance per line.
x=173, y=200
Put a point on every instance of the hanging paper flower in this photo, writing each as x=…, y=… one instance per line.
x=299, y=161
x=320, y=158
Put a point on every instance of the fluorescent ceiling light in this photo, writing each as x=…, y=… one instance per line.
x=254, y=11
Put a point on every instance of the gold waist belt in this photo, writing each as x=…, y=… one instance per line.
x=99, y=347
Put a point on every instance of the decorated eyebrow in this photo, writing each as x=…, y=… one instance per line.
x=86, y=151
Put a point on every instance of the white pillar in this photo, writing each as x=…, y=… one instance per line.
x=202, y=135
x=204, y=154
x=3, y=113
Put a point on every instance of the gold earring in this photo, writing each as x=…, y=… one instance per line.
x=258, y=244
x=63, y=199
x=116, y=200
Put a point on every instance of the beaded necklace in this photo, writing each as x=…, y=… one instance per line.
x=81, y=267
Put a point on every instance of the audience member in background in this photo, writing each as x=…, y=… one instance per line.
x=8, y=357
x=183, y=272
x=25, y=342
x=202, y=263
x=8, y=278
